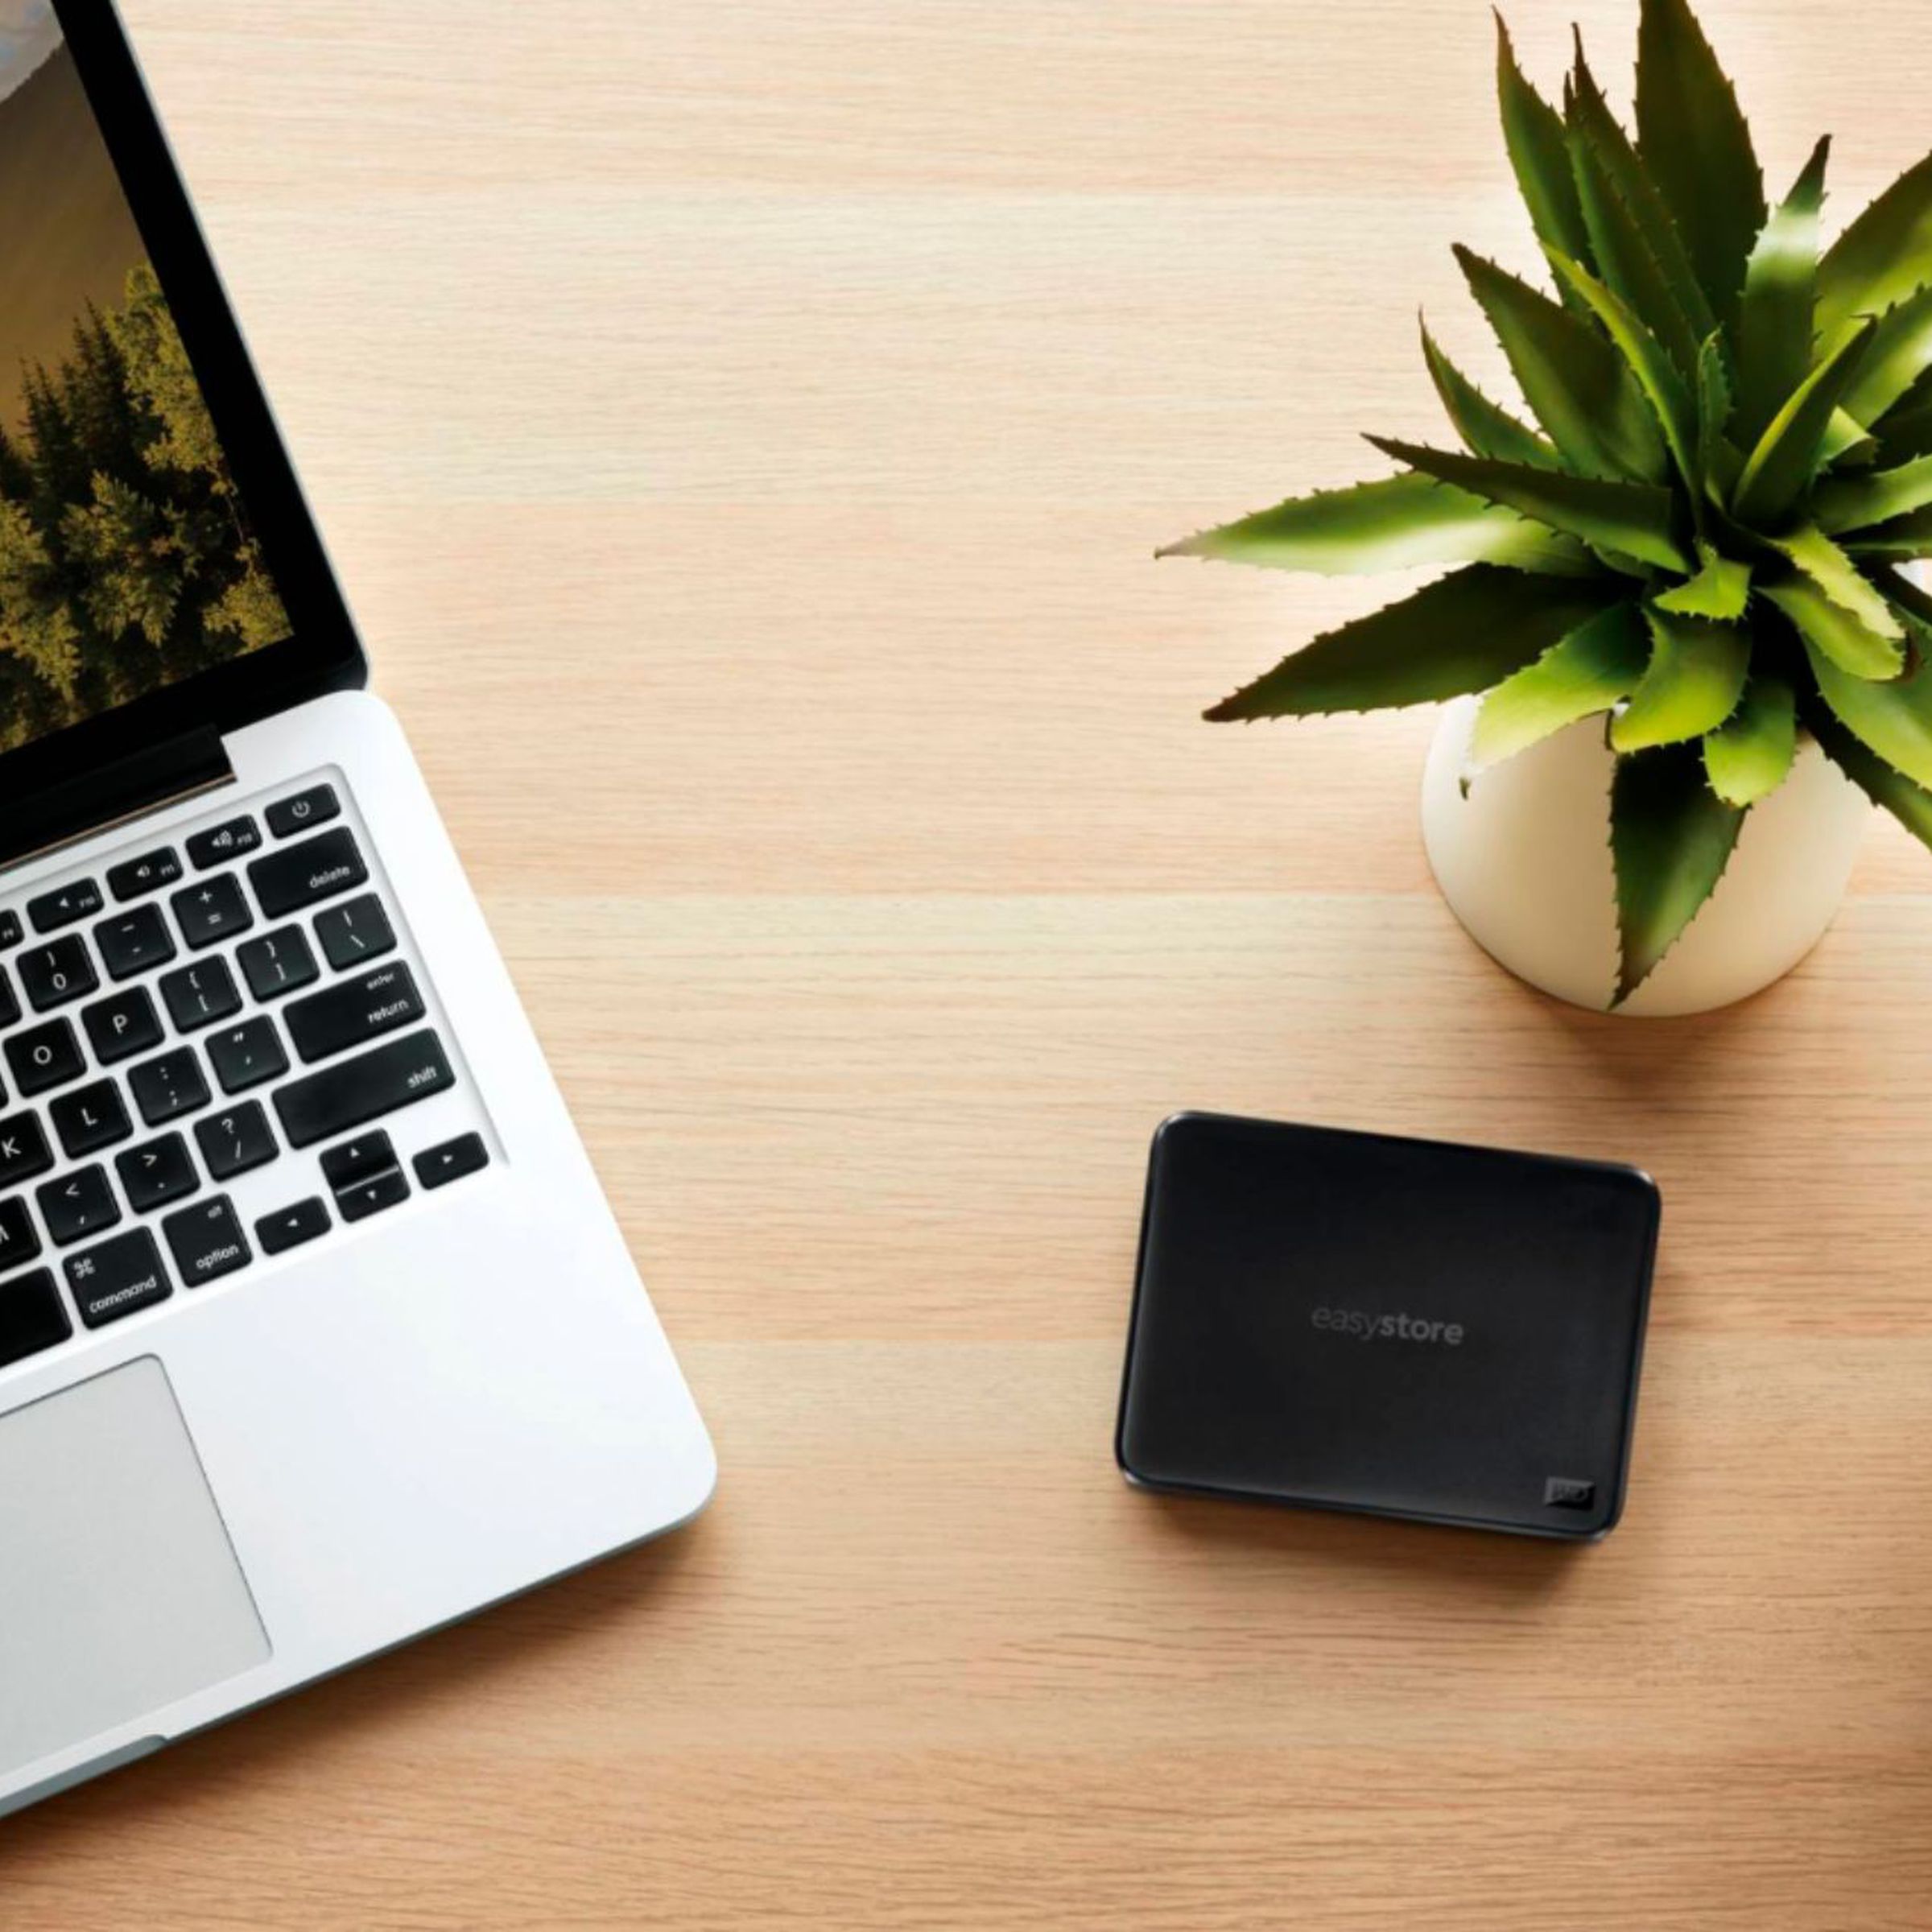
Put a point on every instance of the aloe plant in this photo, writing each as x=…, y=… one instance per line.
x=1699, y=533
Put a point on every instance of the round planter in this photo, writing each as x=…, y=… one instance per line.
x=1523, y=861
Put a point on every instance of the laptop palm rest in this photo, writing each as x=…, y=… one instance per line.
x=120, y=1593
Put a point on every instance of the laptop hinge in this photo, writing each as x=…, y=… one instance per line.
x=114, y=794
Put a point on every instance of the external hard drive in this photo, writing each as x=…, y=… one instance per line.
x=1406, y=1328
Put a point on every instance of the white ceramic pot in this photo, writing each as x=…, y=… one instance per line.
x=1523, y=861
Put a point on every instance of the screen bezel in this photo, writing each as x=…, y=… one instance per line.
x=323, y=653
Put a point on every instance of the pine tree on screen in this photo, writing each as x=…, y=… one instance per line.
x=126, y=559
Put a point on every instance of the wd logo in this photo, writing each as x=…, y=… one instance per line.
x=1566, y=1492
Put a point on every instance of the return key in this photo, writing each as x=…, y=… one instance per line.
x=354, y=1011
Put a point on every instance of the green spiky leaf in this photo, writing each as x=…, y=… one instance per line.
x=1625, y=258
x=1848, y=444
x=1788, y=454
x=1648, y=361
x=1719, y=465
x=1721, y=590
x=1671, y=837
x=1859, y=502
x=1901, y=541
x=1574, y=382
x=1836, y=609
x=1631, y=517
x=1592, y=669
x=1905, y=431
x=1774, y=325
x=1398, y=524
x=1695, y=144
x=1899, y=358
x=1591, y=122
x=1833, y=572
x=1894, y=720
x=1909, y=803
x=1486, y=427
x=1695, y=677
x=1883, y=257
x=1749, y=755
x=1462, y=633
x=1826, y=627
x=1534, y=132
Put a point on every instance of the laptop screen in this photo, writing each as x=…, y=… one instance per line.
x=128, y=559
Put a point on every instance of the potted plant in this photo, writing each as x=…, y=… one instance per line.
x=1686, y=656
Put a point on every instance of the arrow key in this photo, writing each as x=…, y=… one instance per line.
x=305, y=1221
x=156, y=1173
x=437, y=1167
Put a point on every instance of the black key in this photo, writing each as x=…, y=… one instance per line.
x=148, y=873
x=214, y=910
x=23, y=1149
x=117, y=1278
x=79, y=900
x=134, y=942
x=357, y=1159
x=304, y=811
x=9, y=1000
x=45, y=1057
x=156, y=1173
x=351, y=1092
x=57, y=972
x=232, y=1143
x=437, y=1167
x=303, y=875
x=388, y=1189
x=290, y=1227
x=207, y=1241
x=11, y=932
x=353, y=1012
x=168, y=1087
x=78, y=1205
x=278, y=962
x=32, y=1317
x=19, y=1242
x=244, y=1056
x=121, y=1026
x=223, y=842
x=355, y=932
x=197, y=996
x=90, y=1118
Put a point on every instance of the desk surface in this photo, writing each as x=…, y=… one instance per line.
x=744, y=425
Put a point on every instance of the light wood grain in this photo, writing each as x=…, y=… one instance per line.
x=744, y=425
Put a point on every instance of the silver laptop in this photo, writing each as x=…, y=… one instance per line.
x=316, y=1330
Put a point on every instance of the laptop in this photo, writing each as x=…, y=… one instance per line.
x=316, y=1331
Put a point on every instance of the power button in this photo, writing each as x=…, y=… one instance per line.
x=316, y=806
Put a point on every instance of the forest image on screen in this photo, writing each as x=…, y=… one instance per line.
x=127, y=560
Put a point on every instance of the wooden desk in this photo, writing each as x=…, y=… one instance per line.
x=744, y=425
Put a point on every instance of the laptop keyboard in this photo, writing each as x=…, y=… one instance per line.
x=178, y=1028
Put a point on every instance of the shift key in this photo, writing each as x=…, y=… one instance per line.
x=351, y=1093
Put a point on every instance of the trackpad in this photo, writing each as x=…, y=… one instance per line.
x=119, y=1590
